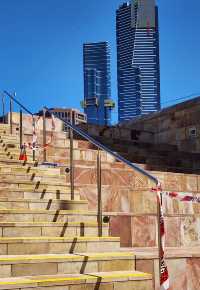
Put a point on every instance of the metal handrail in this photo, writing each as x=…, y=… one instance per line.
x=92, y=140
x=104, y=148
x=18, y=103
x=14, y=100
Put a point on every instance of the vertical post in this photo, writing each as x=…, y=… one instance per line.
x=34, y=138
x=3, y=109
x=159, y=236
x=72, y=163
x=11, y=109
x=21, y=128
x=99, y=215
x=44, y=136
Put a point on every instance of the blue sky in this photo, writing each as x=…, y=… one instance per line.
x=41, y=48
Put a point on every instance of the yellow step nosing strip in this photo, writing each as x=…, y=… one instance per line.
x=83, y=277
x=69, y=257
x=49, y=211
x=4, y=224
x=43, y=200
x=89, y=238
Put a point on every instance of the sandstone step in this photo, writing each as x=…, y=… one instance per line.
x=27, y=215
x=50, y=229
x=8, y=137
x=117, y=280
x=14, y=156
x=40, y=186
x=4, y=125
x=41, y=170
x=15, y=266
x=5, y=130
x=57, y=245
x=11, y=162
x=7, y=203
x=41, y=191
x=32, y=177
x=20, y=194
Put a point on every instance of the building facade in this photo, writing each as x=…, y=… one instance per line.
x=97, y=83
x=72, y=116
x=138, y=65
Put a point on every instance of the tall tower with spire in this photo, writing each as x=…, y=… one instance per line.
x=138, y=65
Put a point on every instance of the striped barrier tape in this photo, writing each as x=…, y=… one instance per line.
x=164, y=275
x=186, y=197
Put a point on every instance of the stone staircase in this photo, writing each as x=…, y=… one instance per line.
x=48, y=241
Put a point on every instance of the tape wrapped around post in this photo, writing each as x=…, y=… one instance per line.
x=164, y=275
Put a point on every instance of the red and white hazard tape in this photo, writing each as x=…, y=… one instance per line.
x=184, y=197
x=164, y=275
x=34, y=145
x=187, y=197
x=48, y=143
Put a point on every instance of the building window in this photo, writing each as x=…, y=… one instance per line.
x=192, y=132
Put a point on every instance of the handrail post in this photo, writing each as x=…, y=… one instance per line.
x=3, y=108
x=159, y=202
x=34, y=145
x=72, y=163
x=44, y=136
x=11, y=109
x=99, y=187
x=21, y=127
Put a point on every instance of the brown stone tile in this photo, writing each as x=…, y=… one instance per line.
x=144, y=231
x=116, y=265
x=189, y=231
x=133, y=285
x=78, y=267
x=26, y=249
x=34, y=269
x=146, y=266
x=173, y=231
x=178, y=274
x=22, y=232
x=105, y=286
x=5, y=271
x=191, y=183
x=193, y=274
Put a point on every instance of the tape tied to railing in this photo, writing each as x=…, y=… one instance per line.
x=185, y=197
x=34, y=144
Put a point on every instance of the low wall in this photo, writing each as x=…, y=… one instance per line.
x=183, y=265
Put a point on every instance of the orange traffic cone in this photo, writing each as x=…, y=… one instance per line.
x=23, y=155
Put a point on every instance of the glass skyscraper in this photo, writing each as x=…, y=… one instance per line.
x=97, y=88
x=138, y=65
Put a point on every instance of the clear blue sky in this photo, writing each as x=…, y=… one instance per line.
x=41, y=48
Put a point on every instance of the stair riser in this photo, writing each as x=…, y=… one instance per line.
x=65, y=267
x=37, y=187
x=29, y=170
x=26, y=217
x=89, y=285
x=49, y=247
x=25, y=171
x=28, y=183
x=51, y=231
x=34, y=177
x=37, y=196
x=50, y=205
x=7, y=139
